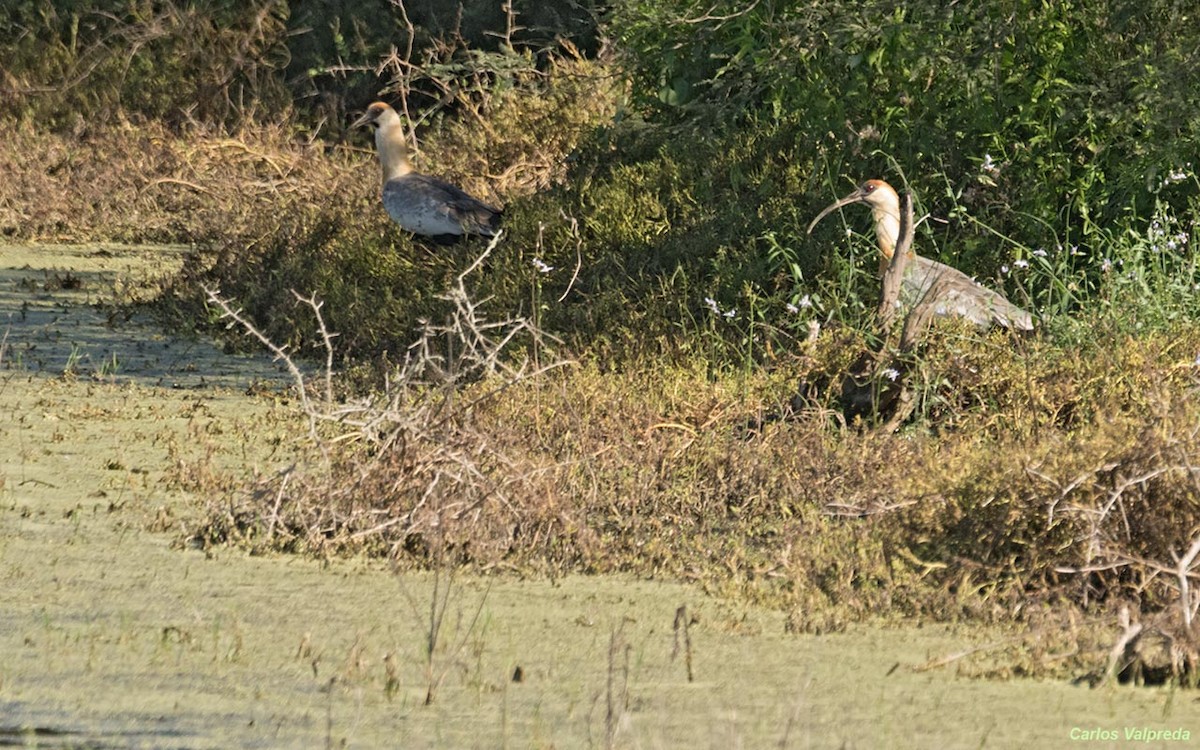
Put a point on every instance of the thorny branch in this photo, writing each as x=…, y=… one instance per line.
x=423, y=462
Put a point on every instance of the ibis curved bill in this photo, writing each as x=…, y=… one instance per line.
x=419, y=203
x=959, y=294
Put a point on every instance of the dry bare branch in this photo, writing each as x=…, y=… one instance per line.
x=893, y=278
x=412, y=465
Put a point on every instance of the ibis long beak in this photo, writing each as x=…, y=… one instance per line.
x=856, y=197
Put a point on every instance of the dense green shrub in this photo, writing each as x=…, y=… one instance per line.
x=1024, y=124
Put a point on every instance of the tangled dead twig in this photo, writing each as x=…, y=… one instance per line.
x=314, y=413
x=422, y=473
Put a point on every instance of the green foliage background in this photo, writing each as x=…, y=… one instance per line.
x=222, y=62
x=1028, y=130
x=1084, y=108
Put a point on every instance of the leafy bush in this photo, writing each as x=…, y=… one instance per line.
x=1025, y=124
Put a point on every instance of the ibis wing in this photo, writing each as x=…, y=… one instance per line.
x=428, y=205
x=962, y=296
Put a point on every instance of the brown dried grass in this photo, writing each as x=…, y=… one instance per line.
x=146, y=183
x=149, y=182
x=665, y=471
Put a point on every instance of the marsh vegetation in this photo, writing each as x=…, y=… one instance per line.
x=644, y=375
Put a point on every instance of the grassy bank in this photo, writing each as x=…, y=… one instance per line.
x=665, y=391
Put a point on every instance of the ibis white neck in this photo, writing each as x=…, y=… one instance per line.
x=393, y=150
x=885, y=210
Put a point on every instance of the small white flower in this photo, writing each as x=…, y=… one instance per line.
x=731, y=313
x=1021, y=263
x=541, y=266
x=805, y=301
x=1040, y=253
x=1004, y=269
x=1106, y=266
x=1196, y=361
x=791, y=308
x=988, y=164
x=711, y=304
x=891, y=374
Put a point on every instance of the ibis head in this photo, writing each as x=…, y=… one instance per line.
x=885, y=209
x=389, y=139
x=377, y=115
